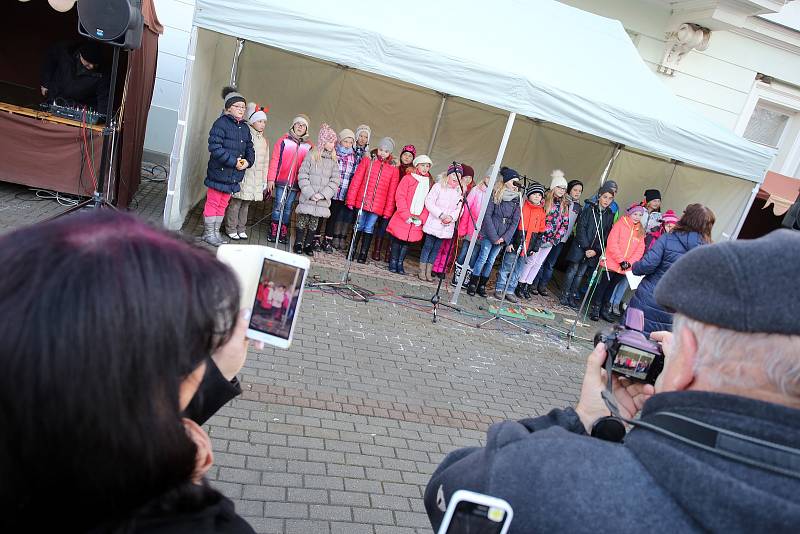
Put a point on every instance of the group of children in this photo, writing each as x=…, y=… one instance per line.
x=340, y=183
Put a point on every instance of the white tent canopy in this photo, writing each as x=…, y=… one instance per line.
x=575, y=79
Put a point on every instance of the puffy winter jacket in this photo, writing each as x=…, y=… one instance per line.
x=398, y=224
x=317, y=177
x=666, y=251
x=624, y=244
x=252, y=186
x=381, y=188
x=587, y=236
x=556, y=223
x=501, y=220
x=287, y=157
x=533, y=218
x=442, y=201
x=475, y=198
x=228, y=140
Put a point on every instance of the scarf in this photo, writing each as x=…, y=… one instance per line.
x=509, y=195
x=342, y=151
x=418, y=202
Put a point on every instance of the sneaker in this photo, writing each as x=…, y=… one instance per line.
x=511, y=298
x=242, y=235
x=234, y=236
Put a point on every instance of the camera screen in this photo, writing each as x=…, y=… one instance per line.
x=276, y=298
x=633, y=362
x=473, y=518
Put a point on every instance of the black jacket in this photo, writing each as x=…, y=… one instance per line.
x=65, y=77
x=214, y=393
x=558, y=479
x=586, y=234
x=228, y=140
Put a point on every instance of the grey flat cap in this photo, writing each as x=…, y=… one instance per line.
x=745, y=285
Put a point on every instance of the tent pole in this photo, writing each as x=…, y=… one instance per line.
x=610, y=164
x=235, y=63
x=747, y=208
x=497, y=161
x=436, y=124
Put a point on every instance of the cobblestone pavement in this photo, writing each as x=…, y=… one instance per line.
x=341, y=432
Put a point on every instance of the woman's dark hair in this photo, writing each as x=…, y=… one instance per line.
x=101, y=317
x=697, y=218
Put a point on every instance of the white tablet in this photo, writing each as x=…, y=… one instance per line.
x=271, y=283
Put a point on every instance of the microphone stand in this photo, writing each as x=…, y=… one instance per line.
x=496, y=316
x=344, y=283
x=435, y=300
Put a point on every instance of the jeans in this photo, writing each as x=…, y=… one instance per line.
x=546, y=271
x=573, y=278
x=462, y=253
x=619, y=292
x=605, y=288
x=506, y=275
x=287, y=207
x=430, y=248
x=488, y=253
x=367, y=222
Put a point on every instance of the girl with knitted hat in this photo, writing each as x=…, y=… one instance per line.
x=407, y=155
x=440, y=265
x=443, y=203
x=318, y=181
x=361, y=146
x=373, y=187
x=466, y=226
x=556, y=207
x=255, y=177
x=287, y=157
x=668, y=222
x=336, y=227
x=406, y=222
x=625, y=247
x=230, y=146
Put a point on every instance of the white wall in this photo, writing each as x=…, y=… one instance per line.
x=176, y=16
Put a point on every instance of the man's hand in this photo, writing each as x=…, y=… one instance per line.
x=44, y=90
x=230, y=357
x=590, y=253
x=630, y=396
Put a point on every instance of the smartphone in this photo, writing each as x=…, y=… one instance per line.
x=474, y=513
x=271, y=282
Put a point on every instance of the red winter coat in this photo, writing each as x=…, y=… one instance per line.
x=398, y=226
x=380, y=191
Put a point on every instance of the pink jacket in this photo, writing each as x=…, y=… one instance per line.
x=466, y=225
x=281, y=170
x=441, y=201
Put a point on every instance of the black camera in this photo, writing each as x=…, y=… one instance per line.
x=632, y=354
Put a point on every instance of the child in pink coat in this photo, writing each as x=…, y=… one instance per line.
x=466, y=226
x=442, y=203
x=446, y=250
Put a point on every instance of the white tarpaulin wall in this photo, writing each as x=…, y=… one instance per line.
x=468, y=131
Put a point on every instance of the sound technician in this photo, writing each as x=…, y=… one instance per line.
x=72, y=72
x=717, y=446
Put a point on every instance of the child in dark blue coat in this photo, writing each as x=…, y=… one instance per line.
x=231, y=152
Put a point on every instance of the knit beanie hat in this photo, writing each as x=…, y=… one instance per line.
x=326, y=135
x=344, y=134
x=636, y=208
x=652, y=194
x=508, y=174
x=302, y=119
x=387, y=144
x=411, y=149
x=669, y=217
x=457, y=169
x=573, y=183
x=607, y=187
x=533, y=188
x=422, y=158
x=255, y=113
x=229, y=95
x=557, y=179
x=364, y=128
x=468, y=171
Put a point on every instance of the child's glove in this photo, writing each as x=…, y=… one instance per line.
x=624, y=265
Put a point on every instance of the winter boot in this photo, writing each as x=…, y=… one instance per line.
x=354, y=253
x=532, y=290
x=209, y=234
x=403, y=252
x=327, y=245
x=376, y=250
x=527, y=291
x=519, y=292
x=467, y=278
x=284, y=237
x=218, y=228
x=565, y=298
x=542, y=289
x=456, y=273
x=422, y=268
x=273, y=231
x=366, y=241
x=605, y=313
x=481, y=290
x=298, y=242
x=511, y=298
x=473, y=285
x=594, y=314
x=317, y=242
x=309, y=240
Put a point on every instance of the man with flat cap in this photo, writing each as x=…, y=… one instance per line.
x=716, y=445
x=71, y=73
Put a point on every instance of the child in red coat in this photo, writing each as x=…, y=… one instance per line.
x=406, y=222
x=373, y=187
